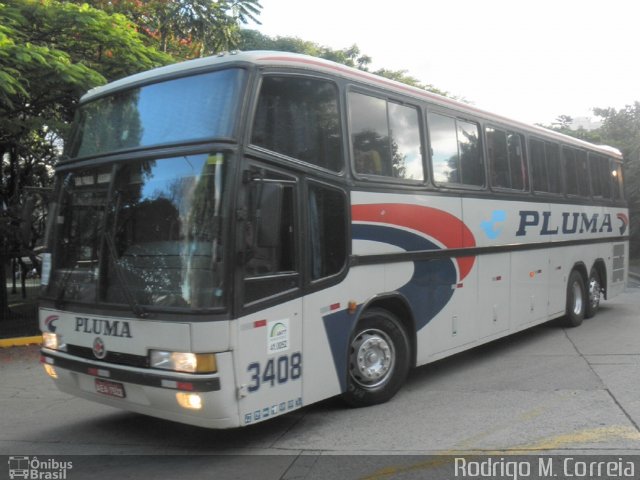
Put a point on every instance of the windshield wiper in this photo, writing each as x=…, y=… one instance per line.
x=137, y=309
x=64, y=283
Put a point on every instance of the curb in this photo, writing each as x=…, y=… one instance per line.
x=20, y=341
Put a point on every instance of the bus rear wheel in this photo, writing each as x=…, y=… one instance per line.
x=379, y=355
x=576, y=300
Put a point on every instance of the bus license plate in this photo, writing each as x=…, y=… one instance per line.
x=110, y=388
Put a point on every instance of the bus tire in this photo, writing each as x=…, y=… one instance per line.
x=576, y=300
x=379, y=359
x=594, y=294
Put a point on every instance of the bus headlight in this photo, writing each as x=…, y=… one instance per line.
x=183, y=361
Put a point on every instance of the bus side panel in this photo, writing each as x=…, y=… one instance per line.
x=269, y=362
x=512, y=285
x=494, y=291
x=328, y=327
x=617, y=258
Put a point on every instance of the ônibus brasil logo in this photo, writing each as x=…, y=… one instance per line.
x=35, y=468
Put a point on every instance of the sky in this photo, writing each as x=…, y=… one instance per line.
x=524, y=59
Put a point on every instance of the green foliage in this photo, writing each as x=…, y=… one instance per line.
x=402, y=76
x=620, y=129
x=50, y=54
x=186, y=28
x=254, y=40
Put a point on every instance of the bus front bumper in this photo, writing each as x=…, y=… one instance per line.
x=206, y=400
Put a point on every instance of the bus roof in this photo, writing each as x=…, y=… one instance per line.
x=298, y=61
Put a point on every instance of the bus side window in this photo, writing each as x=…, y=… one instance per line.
x=370, y=134
x=444, y=148
x=506, y=159
x=616, y=173
x=538, y=166
x=601, y=177
x=584, y=187
x=327, y=231
x=299, y=117
x=385, y=137
x=552, y=155
x=268, y=236
x=569, y=166
x=456, y=153
x=597, y=182
x=517, y=163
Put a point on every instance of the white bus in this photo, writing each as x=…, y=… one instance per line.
x=238, y=236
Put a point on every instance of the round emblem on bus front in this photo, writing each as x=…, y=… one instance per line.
x=99, y=350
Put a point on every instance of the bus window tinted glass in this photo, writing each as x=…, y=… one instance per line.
x=406, y=147
x=498, y=157
x=517, y=164
x=298, y=117
x=600, y=175
x=370, y=134
x=553, y=167
x=385, y=138
x=569, y=163
x=582, y=174
x=455, y=150
x=327, y=231
x=472, y=171
x=185, y=109
x=539, y=166
x=506, y=162
x=616, y=173
x=604, y=177
x=444, y=148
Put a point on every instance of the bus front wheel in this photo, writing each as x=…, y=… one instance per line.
x=577, y=299
x=379, y=355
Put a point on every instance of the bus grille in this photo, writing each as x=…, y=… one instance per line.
x=112, y=357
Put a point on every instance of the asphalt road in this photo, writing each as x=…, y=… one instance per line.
x=547, y=390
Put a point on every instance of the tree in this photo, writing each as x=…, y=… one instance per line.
x=186, y=28
x=620, y=129
x=254, y=40
x=50, y=54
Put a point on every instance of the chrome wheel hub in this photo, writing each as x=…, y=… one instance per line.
x=372, y=358
x=577, y=298
x=594, y=293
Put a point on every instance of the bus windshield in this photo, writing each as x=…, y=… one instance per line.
x=143, y=233
x=204, y=107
